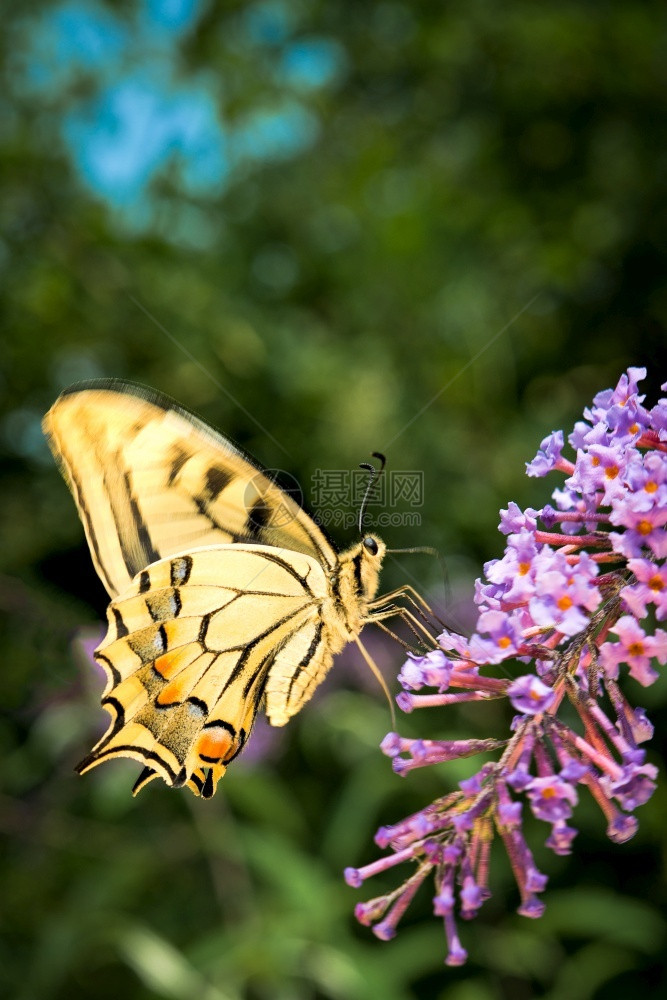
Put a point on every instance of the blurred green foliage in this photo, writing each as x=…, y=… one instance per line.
x=465, y=244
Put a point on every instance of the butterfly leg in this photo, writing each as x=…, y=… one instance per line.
x=370, y=662
x=393, y=635
x=416, y=626
x=422, y=607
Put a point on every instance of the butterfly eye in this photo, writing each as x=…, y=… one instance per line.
x=370, y=545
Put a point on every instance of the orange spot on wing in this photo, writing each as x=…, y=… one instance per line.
x=170, y=663
x=174, y=692
x=215, y=743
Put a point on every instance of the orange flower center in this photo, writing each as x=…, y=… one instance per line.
x=655, y=583
x=595, y=462
x=504, y=642
x=636, y=648
x=651, y=487
x=644, y=527
x=523, y=568
x=611, y=471
x=564, y=602
x=548, y=792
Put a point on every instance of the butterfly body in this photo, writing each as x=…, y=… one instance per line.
x=224, y=591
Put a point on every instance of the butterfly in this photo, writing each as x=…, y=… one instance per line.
x=225, y=593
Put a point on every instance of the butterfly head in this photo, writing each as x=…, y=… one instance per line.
x=372, y=550
x=360, y=569
x=371, y=544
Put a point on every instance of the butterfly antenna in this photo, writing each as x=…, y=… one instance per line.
x=374, y=474
x=424, y=549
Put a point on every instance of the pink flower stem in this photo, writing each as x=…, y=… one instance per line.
x=573, y=541
x=496, y=685
x=601, y=760
x=433, y=700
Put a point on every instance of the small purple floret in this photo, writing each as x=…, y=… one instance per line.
x=353, y=877
x=530, y=695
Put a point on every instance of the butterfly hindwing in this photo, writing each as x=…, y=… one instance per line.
x=150, y=480
x=191, y=646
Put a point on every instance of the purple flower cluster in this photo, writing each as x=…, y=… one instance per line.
x=575, y=601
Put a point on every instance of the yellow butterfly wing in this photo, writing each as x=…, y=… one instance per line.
x=224, y=591
x=152, y=480
x=193, y=645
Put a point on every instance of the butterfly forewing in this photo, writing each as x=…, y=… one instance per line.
x=151, y=480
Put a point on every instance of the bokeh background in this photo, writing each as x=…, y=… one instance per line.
x=434, y=229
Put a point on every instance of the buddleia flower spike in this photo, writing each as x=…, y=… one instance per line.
x=570, y=609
